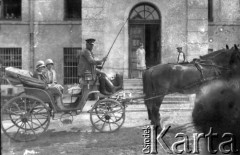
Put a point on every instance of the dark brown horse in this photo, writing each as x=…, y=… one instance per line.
x=217, y=109
x=164, y=79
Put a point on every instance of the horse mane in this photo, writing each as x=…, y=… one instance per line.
x=212, y=54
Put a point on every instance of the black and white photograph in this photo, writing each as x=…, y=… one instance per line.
x=120, y=77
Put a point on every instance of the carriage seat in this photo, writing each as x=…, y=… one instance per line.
x=19, y=76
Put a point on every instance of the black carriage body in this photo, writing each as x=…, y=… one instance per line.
x=26, y=110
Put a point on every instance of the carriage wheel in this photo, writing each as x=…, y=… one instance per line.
x=24, y=118
x=107, y=115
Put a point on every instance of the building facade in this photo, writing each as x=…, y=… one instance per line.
x=199, y=26
x=33, y=30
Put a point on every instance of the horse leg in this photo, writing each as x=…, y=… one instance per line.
x=157, y=116
x=149, y=110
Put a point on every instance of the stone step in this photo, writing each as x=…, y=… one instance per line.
x=135, y=88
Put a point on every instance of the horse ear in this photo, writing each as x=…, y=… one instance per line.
x=235, y=46
x=227, y=47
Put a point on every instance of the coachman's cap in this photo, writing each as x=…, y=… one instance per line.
x=179, y=47
x=90, y=41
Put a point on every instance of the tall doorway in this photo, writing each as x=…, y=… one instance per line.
x=144, y=27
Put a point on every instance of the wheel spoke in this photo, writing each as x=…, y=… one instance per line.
x=39, y=110
x=41, y=114
x=33, y=106
x=110, y=126
x=115, y=116
x=17, y=106
x=11, y=112
x=18, y=130
x=116, y=124
x=25, y=131
x=98, y=120
x=103, y=125
x=39, y=122
x=10, y=127
x=19, y=120
x=32, y=128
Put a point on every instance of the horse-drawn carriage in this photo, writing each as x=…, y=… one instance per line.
x=27, y=115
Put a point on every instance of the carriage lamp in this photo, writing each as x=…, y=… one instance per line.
x=88, y=76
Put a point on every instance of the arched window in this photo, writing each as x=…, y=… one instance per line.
x=144, y=12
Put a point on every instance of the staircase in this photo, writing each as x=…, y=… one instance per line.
x=135, y=86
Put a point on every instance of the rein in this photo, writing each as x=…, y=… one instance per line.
x=217, y=66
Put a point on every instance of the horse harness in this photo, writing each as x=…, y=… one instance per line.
x=199, y=64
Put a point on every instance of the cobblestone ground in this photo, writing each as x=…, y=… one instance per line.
x=80, y=138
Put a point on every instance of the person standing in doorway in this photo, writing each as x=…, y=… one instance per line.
x=141, y=62
x=181, y=56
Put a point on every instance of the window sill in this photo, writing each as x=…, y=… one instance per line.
x=14, y=22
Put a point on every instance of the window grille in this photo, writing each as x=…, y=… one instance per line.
x=10, y=9
x=210, y=10
x=73, y=9
x=11, y=57
x=70, y=65
x=144, y=12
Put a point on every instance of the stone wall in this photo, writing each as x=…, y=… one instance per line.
x=225, y=28
x=103, y=19
x=197, y=28
x=51, y=33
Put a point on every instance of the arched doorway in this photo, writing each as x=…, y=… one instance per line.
x=145, y=27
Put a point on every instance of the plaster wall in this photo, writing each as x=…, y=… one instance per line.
x=197, y=28
x=103, y=19
x=225, y=28
x=51, y=33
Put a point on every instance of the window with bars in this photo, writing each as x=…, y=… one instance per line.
x=11, y=57
x=210, y=10
x=73, y=9
x=70, y=65
x=10, y=9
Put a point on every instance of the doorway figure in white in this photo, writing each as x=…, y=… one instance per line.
x=141, y=62
x=181, y=56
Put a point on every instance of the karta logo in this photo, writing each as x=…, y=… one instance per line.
x=151, y=140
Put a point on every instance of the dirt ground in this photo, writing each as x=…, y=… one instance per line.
x=79, y=138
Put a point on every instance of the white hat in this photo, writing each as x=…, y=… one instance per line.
x=49, y=61
x=40, y=63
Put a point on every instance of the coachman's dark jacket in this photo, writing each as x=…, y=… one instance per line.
x=86, y=61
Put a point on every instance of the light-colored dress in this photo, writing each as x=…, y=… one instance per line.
x=141, y=63
x=181, y=58
x=52, y=80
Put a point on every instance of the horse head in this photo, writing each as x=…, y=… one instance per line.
x=219, y=57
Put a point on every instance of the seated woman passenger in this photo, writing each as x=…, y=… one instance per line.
x=40, y=74
x=50, y=74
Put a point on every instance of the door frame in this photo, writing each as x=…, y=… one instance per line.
x=142, y=22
